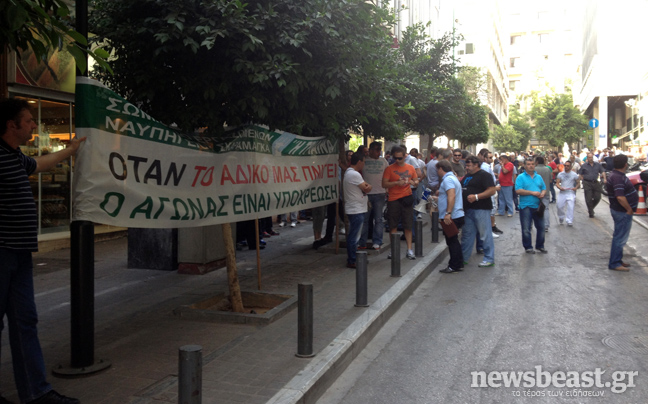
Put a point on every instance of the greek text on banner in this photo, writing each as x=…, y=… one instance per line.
x=133, y=171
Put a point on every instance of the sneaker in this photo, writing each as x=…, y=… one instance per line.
x=293, y=224
x=362, y=247
x=479, y=252
x=376, y=247
x=342, y=231
x=499, y=214
x=282, y=224
x=546, y=229
x=530, y=251
x=485, y=264
x=389, y=256
x=509, y=215
x=495, y=235
x=561, y=221
x=465, y=262
x=273, y=233
x=542, y=250
x=570, y=224
x=52, y=397
x=410, y=256
x=265, y=234
x=496, y=230
x=448, y=270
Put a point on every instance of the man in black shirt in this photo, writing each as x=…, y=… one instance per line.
x=623, y=203
x=18, y=239
x=589, y=176
x=478, y=187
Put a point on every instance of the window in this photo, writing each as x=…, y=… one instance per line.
x=515, y=62
x=515, y=39
x=543, y=38
x=512, y=84
x=470, y=48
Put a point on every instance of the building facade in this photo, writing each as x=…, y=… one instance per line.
x=542, y=50
x=613, y=86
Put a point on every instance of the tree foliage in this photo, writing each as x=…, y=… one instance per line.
x=557, y=121
x=44, y=25
x=313, y=67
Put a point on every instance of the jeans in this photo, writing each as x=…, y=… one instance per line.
x=592, y=190
x=622, y=226
x=374, y=214
x=17, y=302
x=506, y=200
x=553, y=190
x=547, y=215
x=355, y=227
x=454, y=247
x=527, y=215
x=477, y=220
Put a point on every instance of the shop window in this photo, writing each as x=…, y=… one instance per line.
x=470, y=48
x=52, y=190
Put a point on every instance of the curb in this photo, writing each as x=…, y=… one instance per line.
x=320, y=373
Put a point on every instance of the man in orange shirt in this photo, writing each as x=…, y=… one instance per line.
x=398, y=179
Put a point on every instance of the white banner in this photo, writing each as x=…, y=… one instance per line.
x=133, y=171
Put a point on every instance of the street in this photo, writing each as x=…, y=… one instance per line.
x=559, y=312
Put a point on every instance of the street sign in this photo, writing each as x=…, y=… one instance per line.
x=602, y=136
x=593, y=123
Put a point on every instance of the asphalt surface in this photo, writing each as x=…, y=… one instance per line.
x=563, y=311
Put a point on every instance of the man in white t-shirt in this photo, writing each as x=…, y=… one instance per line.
x=355, y=204
x=567, y=182
x=374, y=167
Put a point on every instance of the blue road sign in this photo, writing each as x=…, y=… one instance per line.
x=593, y=123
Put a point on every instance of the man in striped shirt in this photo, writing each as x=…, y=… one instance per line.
x=18, y=239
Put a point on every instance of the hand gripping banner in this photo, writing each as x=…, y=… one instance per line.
x=134, y=171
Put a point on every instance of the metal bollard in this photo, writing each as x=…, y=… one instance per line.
x=395, y=253
x=361, y=279
x=418, y=242
x=435, y=227
x=305, y=320
x=190, y=374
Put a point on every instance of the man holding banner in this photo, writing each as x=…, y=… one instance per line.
x=18, y=239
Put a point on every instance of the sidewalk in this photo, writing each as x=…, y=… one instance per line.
x=136, y=331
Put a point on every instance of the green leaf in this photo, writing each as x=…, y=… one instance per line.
x=80, y=57
x=78, y=37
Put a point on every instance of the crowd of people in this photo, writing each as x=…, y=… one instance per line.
x=470, y=191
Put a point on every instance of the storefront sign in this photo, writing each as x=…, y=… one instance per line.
x=133, y=171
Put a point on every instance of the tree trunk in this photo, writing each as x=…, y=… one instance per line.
x=430, y=143
x=232, y=276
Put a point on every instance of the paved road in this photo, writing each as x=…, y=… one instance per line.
x=564, y=311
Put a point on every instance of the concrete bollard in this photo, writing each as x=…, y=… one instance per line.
x=435, y=227
x=190, y=374
x=305, y=320
x=395, y=253
x=418, y=243
x=361, y=279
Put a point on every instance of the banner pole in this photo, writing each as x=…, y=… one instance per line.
x=337, y=226
x=258, y=250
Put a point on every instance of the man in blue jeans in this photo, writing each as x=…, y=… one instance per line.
x=531, y=188
x=623, y=202
x=374, y=167
x=18, y=239
x=355, y=204
x=477, y=188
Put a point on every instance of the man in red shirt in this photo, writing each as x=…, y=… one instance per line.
x=554, y=168
x=506, y=186
x=398, y=179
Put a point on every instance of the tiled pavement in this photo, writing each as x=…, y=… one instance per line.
x=135, y=328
